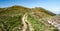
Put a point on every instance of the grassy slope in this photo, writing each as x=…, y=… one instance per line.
x=11, y=16
x=41, y=12
x=14, y=10
x=9, y=23
x=21, y=10
x=39, y=26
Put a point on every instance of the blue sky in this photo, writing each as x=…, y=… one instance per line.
x=51, y=5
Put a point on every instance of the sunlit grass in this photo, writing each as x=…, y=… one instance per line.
x=39, y=26
x=9, y=23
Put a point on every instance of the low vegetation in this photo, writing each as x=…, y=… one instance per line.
x=11, y=18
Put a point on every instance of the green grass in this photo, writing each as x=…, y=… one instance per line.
x=36, y=25
x=39, y=26
x=10, y=23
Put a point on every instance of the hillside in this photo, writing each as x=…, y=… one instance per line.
x=14, y=10
x=20, y=9
x=19, y=18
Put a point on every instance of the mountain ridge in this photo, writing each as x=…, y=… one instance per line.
x=22, y=9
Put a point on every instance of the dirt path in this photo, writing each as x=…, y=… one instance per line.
x=24, y=23
x=29, y=24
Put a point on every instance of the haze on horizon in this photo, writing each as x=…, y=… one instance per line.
x=51, y=5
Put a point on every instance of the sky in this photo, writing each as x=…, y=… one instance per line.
x=51, y=5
